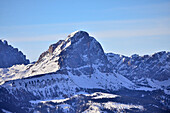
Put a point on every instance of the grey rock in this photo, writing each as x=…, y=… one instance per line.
x=156, y=66
x=10, y=56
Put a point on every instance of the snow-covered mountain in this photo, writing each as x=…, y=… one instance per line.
x=80, y=57
x=148, y=70
x=79, y=50
x=10, y=56
x=156, y=66
x=67, y=76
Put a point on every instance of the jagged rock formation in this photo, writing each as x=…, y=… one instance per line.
x=67, y=75
x=142, y=69
x=10, y=56
x=78, y=50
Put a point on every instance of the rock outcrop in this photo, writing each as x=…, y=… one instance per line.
x=77, y=50
x=75, y=75
x=156, y=66
x=10, y=56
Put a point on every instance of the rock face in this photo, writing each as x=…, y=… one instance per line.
x=78, y=50
x=75, y=75
x=10, y=56
x=135, y=68
x=83, y=51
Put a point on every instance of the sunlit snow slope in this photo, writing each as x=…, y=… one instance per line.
x=75, y=69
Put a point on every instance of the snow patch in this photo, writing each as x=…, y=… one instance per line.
x=5, y=111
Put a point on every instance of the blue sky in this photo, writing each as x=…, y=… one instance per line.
x=121, y=26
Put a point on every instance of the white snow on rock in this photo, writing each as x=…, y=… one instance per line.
x=4, y=42
x=98, y=107
x=73, y=33
x=12, y=73
x=96, y=95
x=5, y=111
x=50, y=64
x=66, y=107
x=99, y=95
x=119, y=106
x=94, y=107
x=58, y=100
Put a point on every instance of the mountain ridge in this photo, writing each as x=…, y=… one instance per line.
x=73, y=70
x=10, y=56
x=154, y=62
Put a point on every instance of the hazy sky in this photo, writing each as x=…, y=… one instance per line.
x=121, y=26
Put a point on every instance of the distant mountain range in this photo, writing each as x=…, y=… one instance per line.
x=75, y=75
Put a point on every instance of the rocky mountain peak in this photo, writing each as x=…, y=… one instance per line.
x=10, y=56
x=74, y=74
x=77, y=35
x=77, y=50
x=3, y=42
x=52, y=47
x=69, y=41
x=80, y=49
x=156, y=66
